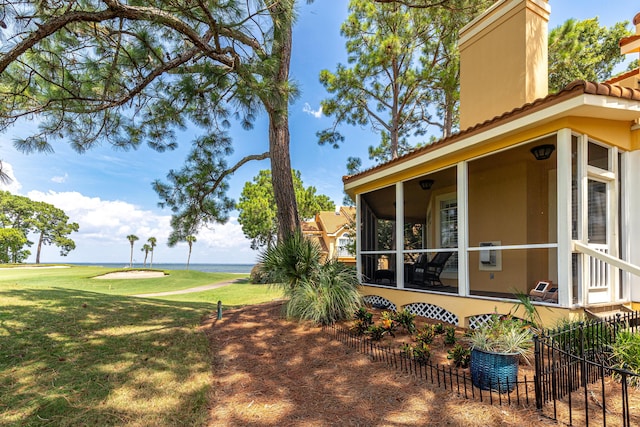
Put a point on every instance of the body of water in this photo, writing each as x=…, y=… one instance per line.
x=208, y=268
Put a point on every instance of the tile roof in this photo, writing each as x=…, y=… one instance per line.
x=332, y=222
x=626, y=40
x=623, y=76
x=636, y=19
x=573, y=89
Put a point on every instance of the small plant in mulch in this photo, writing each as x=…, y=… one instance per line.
x=376, y=332
x=363, y=320
x=438, y=328
x=626, y=356
x=388, y=322
x=420, y=352
x=450, y=335
x=406, y=320
x=460, y=356
x=425, y=335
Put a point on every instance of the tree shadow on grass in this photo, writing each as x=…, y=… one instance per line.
x=80, y=358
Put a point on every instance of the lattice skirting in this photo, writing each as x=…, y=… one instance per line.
x=431, y=311
x=377, y=301
x=480, y=320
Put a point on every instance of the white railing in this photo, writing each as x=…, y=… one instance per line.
x=606, y=258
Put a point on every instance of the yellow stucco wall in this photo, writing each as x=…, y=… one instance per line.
x=464, y=308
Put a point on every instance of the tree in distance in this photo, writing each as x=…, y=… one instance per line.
x=257, y=207
x=146, y=248
x=25, y=216
x=132, y=239
x=584, y=50
x=152, y=244
x=403, y=69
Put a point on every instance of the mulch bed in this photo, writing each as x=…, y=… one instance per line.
x=269, y=371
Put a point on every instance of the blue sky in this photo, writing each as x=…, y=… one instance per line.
x=109, y=192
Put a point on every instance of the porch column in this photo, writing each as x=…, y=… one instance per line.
x=463, y=229
x=564, y=217
x=632, y=176
x=399, y=235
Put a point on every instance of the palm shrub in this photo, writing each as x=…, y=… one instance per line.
x=329, y=295
x=322, y=293
x=290, y=262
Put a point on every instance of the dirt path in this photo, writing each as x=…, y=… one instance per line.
x=190, y=290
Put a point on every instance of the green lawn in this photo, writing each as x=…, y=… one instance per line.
x=77, y=351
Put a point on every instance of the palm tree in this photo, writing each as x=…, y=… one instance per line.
x=131, y=238
x=152, y=241
x=145, y=248
x=190, y=239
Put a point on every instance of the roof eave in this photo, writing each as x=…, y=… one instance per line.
x=575, y=103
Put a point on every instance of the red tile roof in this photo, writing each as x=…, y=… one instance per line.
x=626, y=40
x=573, y=89
x=636, y=19
x=623, y=76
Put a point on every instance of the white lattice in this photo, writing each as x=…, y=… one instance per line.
x=431, y=311
x=377, y=301
x=480, y=320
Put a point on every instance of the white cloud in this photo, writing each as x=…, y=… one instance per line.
x=104, y=225
x=13, y=186
x=315, y=113
x=60, y=179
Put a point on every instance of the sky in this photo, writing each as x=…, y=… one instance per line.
x=109, y=194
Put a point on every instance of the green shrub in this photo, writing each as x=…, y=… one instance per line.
x=363, y=320
x=376, y=332
x=322, y=293
x=461, y=356
x=406, y=319
x=626, y=355
x=258, y=276
x=438, y=328
x=450, y=335
x=421, y=352
x=290, y=262
x=388, y=322
x=425, y=335
x=330, y=295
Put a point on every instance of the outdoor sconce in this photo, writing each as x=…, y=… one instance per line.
x=543, y=152
x=426, y=184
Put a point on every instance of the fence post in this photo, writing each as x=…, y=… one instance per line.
x=583, y=369
x=537, y=378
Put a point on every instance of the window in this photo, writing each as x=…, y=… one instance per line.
x=447, y=206
x=345, y=246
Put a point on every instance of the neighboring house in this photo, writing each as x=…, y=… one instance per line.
x=332, y=231
x=537, y=194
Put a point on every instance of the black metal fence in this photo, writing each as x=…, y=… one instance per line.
x=573, y=381
x=574, y=377
x=447, y=377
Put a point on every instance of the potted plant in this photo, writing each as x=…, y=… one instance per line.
x=496, y=350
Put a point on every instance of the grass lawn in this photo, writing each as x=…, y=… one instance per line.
x=79, y=351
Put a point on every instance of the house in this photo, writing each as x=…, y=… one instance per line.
x=537, y=194
x=331, y=230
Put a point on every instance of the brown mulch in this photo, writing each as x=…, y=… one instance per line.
x=269, y=371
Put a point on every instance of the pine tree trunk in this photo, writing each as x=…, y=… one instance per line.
x=282, y=179
x=278, y=110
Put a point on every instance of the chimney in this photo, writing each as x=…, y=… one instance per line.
x=503, y=59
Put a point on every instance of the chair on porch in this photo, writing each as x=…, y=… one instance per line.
x=428, y=272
